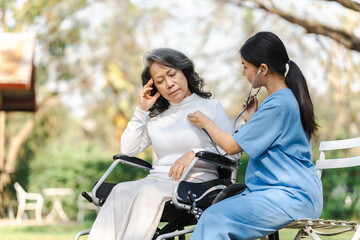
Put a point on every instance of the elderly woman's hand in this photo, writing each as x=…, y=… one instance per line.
x=179, y=166
x=146, y=100
x=198, y=119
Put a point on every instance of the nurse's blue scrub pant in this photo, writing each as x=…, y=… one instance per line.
x=249, y=216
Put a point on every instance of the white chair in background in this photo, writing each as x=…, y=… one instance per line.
x=23, y=197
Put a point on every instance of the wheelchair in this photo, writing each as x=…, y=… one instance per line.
x=189, y=199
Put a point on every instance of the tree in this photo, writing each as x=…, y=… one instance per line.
x=340, y=35
x=47, y=20
x=99, y=60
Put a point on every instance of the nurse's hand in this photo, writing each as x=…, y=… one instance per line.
x=199, y=119
x=179, y=166
x=146, y=101
x=252, y=108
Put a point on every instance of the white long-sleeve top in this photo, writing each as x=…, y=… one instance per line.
x=172, y=135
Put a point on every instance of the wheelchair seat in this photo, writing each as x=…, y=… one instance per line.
x=204, y=192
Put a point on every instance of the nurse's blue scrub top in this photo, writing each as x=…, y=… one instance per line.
x=280, y=156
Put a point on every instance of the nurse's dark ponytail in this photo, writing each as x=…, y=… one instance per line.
x=295, y=80
x=267, y=48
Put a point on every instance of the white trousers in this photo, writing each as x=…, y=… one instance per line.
x=133, y=210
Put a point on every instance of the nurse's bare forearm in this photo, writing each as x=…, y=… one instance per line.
x=223, y=139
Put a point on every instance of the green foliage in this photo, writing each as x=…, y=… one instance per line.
x=74, y=161
x=341, y=190
x=244, y=160
x=46, y=121
x=341, y=193
x=60, y=152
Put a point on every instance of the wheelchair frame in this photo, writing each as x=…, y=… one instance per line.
x=221, y=162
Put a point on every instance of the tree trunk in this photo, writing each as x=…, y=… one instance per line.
x=10, y=163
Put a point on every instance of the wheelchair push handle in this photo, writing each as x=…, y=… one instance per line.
x=87, y=196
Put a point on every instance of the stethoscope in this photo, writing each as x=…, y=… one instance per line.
x=249, y=102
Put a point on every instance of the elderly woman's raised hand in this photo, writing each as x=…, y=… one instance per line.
x=146, y=100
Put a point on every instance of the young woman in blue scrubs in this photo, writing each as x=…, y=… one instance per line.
x=282, y=183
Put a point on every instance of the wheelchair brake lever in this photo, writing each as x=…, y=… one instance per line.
x=191, y=198
x=194, y=210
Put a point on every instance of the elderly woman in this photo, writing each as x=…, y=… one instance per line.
x=172, y=90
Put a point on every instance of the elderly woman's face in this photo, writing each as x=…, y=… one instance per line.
x=171, y=82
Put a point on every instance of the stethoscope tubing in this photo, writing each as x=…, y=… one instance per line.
x=248, y=102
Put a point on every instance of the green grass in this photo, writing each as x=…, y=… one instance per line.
x=62, y=232
x=68, y=232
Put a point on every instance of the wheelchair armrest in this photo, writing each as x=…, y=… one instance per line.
x=133, y=161
x=217, y=159
x=118, y=158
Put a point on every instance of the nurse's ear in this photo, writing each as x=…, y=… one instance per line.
x=264, y=69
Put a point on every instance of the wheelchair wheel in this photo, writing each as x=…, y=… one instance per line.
x=229, y=191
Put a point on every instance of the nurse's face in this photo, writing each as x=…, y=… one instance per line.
x=250, y=71
x=171, y=82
